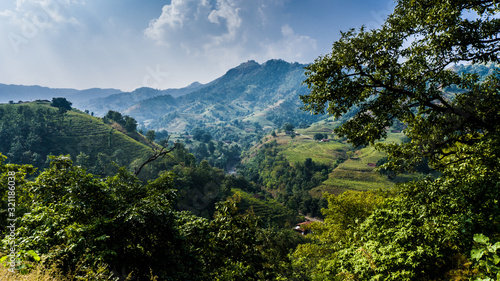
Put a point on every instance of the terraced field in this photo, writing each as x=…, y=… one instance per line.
x=320, y=152
x=356, y=169
x=76, y=132
x=269, y=210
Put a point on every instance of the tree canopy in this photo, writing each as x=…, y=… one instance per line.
x=61, y=103
x=401, y=71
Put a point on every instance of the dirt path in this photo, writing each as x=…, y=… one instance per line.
x=313, y=219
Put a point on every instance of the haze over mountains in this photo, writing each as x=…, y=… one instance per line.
x=249, y=92
x=17, y=93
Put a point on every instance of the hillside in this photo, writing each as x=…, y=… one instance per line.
x=349, y=168
x=267, y=94
x=32, y=131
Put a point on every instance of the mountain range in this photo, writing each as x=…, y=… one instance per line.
x=267, y=94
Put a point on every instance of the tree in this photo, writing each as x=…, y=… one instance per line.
x=211, y=147
x=81, y=220
x=61, y=103
x=402, y=72
x=319, y=136
x=201, y=135
x=130, y=124
x=288, y=127
x=115, y=116
x=150, y=135
x=206, y=137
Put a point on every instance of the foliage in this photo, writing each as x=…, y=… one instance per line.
x=272, y=212
x=130, y=124
x=239, y=249
x=415, y=235
x=17, y=175
x=127, y=122
x=26, y=132
x=345, y=212
x=290, y=182
x=119, y=226
x=33, y=131
x=320, y=136
x=200, y=187
x=288, y=112
x=288, y=127
x=41, y=272
x=61, y=103
x=402, y=71
x=77, y=218
x=485, y=253
x=201, y=135
x=150, y=135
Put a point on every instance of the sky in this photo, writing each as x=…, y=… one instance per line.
x=128, y=44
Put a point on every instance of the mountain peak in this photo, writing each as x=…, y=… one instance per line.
x=250, y=63
x=194, y=85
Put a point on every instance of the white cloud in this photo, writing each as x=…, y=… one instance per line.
x=235, y=30
x=30, y=18
x=41, y=14
x=171, y=17
x=291, y=46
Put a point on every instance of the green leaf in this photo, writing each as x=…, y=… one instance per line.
x=4, y=261
x=480, y=238
x=477, y=253
x=34, y=255
x=496, y=259
x=496, y=246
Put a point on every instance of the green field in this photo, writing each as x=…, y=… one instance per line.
x=356, y=170
x=320, y=152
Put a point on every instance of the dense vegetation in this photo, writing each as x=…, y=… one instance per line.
x=431, y=229
x=86, y=224
x=289, y=183
x=33, y=131
x=184, y=219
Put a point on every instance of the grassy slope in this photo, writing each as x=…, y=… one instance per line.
x=353, y=174
x=81, y=132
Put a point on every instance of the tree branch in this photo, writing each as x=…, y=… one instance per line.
x=157, y=154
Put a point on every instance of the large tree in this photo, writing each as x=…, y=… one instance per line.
x=61, y=103
x=403, y=71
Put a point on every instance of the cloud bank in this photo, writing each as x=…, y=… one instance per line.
x=232, y=29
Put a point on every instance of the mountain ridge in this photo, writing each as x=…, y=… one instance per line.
x=245, y=92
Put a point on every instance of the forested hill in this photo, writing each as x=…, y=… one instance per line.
x=32, y=131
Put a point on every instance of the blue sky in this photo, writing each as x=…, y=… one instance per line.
x=127, y=44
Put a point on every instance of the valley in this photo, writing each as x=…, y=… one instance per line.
x=241, y=141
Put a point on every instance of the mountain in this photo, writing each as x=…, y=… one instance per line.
x=266, y=93
x=29, y=93
x=82, y=96
x=16, y=93
x=123, y=100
